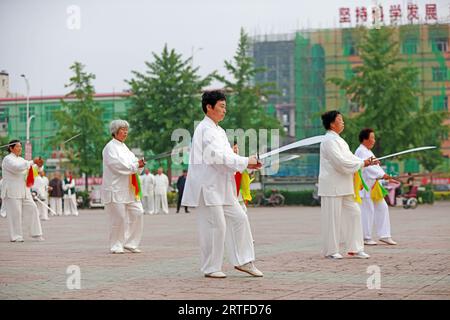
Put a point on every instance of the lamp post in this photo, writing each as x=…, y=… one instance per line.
x=27, y=144
x=192, y=54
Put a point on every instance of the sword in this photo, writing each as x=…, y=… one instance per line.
x=298, y=144
x=72, y=138
x=288, y=158
x=45, y=205
x=406, y=151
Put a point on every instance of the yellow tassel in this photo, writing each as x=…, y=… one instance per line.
x=245, y=186
x=378, y=193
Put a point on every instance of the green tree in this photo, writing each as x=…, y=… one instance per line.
x=82, y=117
x=246, y=106
x=165, y=97
x=388, y=93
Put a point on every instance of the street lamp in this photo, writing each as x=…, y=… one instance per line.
x=27, y=145
x=192, y=54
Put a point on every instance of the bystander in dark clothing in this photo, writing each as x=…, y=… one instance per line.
x=180, y=186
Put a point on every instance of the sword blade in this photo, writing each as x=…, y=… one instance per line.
x=406, y=151
x=298, y=144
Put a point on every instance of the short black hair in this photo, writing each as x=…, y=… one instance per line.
x=329, y=117
x=12, y=144
x=211, y=97
x=365, y=134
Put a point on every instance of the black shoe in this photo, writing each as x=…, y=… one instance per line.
x=187, y=212
x=177, y=212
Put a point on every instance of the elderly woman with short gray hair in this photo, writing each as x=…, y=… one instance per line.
x=121, y=203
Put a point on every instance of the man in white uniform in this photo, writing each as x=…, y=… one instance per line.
x=16, y=195
x=339, y=210
x=161, y=187
x=211, y=187
x=121, y=203
x=70, y=197
x=2, y=209
x=148, y=192
x=371, y=211
x=41, y=188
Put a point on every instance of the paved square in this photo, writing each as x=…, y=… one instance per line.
x=287, y=242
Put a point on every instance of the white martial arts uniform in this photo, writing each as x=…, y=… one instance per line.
x=338, y=208
x=210, y=186
x=148, y=193
x=161, y=187
x=70, y=197
x=17, y=197
x=125, y=211
x=371, y=211
x=2, y=209
x=41, y=187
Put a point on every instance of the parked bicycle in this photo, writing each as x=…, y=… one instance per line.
x=275, y=199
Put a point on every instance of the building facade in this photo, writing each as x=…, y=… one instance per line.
x=300, y=64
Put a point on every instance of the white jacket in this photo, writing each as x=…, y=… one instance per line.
x=15, y=170
x=212, y=164
x=337, y=166
x=41, y=187
x=119, y=163
x=370, y=174
x=148, y=184
x=161, y=184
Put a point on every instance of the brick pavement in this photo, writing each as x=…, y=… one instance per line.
x=287, y=249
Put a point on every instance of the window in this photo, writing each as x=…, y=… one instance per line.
x=409, y=46
x=23, y=113
x=3, y=114
x=440, y=103
x=108, y=111
x=49, y=110
x=440, y=74
x=439, y=44
x=350, y=49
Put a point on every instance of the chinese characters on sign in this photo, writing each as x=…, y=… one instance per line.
x=395, y=14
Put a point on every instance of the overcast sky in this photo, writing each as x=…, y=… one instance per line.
x=42, y=38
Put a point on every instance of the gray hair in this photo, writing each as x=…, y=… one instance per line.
x=117, y=124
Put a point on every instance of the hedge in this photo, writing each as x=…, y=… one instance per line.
x=292, y=197
x=441, y=195
x=426, y=196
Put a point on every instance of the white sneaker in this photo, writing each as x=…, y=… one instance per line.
x=217, y=275
x=38, y=238
x=370, y=242
x=117, y=251
x=388, y=241
x=134, y=250
x=17, y=240
x=359, y=255
x=334, y=256
x=250, y=269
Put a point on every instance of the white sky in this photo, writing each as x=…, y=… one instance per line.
x=117, y=36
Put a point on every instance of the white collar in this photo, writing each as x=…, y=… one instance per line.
x=210, y=121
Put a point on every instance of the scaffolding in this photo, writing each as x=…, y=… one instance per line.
x=300, y=64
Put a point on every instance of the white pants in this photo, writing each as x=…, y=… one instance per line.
x=377, y=212
x=14, y=210
x=70, y=205
x=56, y=205
x=148, y=202
x=2, y=209
x=220, y=225
x=126, y=224
x=161, y=199
x=42, y=209
x=341, y=216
